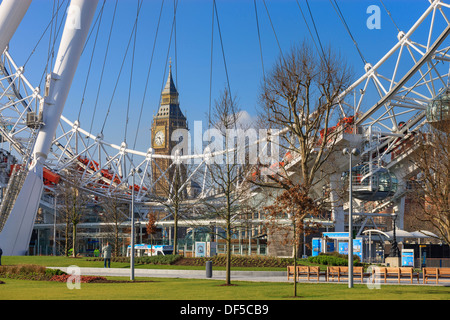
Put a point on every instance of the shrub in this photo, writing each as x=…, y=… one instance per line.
x=333, y=259
x=22, y=269
x=25, y=271
x=54, y=272
x=159, y=259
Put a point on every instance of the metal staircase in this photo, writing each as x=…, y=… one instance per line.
x=15, y=184
x=16, y=181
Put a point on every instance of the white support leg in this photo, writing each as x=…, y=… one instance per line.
x=16, y=234
x=337, y=210
x=400, y=211
x=11, y=14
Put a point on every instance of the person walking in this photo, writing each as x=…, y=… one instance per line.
x=106, y=253
x=1, y=252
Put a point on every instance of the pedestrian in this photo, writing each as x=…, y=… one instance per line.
x=1, y=252
x=106, y=253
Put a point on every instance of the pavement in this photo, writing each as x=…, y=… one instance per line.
x=261, y=276
x=258, y=276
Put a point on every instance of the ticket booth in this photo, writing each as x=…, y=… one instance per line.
x=338, y=242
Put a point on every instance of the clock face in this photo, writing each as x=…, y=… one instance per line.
x=159, y=138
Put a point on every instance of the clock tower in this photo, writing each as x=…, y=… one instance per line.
x=167, y=120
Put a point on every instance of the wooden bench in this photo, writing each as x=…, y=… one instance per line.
x=290, y=272
x=409, y=273
x=435, y=274
x=333, y=272
x=394, y=272
x=304, y=271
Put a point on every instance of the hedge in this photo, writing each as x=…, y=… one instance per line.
x=333, y=260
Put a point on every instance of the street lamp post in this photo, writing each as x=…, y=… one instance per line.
x=353, y=152
x=54, y=224
x=395, y=252
x=133, y=172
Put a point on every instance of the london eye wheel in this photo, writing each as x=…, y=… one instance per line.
x=389, y=99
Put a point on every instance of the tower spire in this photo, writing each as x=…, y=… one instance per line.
x=170, y=106
x=170, y=85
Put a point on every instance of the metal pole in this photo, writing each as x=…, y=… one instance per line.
x=54, y=229
x=350, y=227
x=132, y=228
x=353, y=152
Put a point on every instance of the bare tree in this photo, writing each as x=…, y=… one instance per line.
x=177, y=200
x=300, y=97
x=227, y=174
x=115, y=214
x=432, y=192
x=74, y=200
x=294, y=205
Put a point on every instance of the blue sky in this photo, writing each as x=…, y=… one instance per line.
x=191, y=59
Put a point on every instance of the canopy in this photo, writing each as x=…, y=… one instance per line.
x=376, y=231
x=424, y=234
x=399, y=233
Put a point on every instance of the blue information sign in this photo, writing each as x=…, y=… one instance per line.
x=408, y=258
x=316, y=246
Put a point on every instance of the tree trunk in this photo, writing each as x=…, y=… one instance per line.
x=116, y=239
x=228, y=263
x=295, y=262
x=66, y=248
x=175, y=233
x=74, y=241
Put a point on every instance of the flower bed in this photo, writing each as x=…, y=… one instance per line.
x=83, y=279
x=35, y=272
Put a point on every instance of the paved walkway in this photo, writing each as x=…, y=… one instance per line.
x=267, y=276
x=259, y=276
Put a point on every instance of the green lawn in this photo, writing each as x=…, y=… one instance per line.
x=189, y=289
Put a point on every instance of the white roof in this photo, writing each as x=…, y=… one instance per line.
x=400, y=233
x=424, y=234
x=403, y=234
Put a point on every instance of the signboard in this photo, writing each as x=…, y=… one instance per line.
x=407, y=257
x=316, y=246
x=343, y=248
x=357, y=248
x=200, y=249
